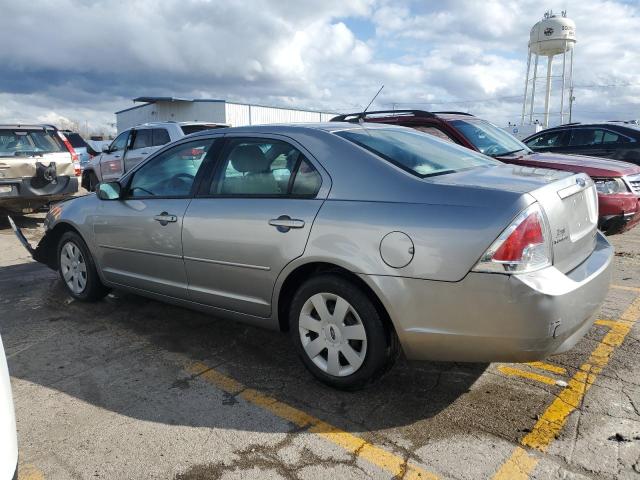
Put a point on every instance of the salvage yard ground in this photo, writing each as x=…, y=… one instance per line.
x=132, y=388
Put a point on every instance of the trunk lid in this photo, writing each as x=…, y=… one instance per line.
x=571, y=207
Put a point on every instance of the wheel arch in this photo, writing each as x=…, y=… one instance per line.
x=47, y=249
x=298, y=274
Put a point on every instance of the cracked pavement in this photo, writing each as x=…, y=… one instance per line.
x=105, y=391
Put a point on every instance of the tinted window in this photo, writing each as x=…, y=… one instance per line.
x=172, y=173
x=76, y=140
x=419, y=153
x=585, y=137
x=142, y=139
x=120, y=142
x=188, y=129
x=264, y=167
x=550, y=139
x=160, y=137
x=16, y=142
x=610, y=137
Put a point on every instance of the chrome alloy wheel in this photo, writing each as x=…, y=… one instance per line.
x=73, y=267
x=332, y=334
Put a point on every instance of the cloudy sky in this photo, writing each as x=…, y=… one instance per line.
x=83, y=60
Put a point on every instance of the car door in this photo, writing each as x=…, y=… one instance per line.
x=141, y=143
x=111, y=161
x=585, y=141
x=139, y=237
x=249, y=220
x=553, y=141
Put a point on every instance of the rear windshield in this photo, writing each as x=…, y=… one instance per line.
x=188, y=129
x=419, y=153
x=76, y=140
x=21, y=142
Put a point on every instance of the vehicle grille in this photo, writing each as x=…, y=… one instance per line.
x=634, y=183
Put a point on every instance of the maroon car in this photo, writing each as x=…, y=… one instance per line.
x=618, y=183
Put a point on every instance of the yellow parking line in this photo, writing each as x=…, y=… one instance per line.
x=624, y=287
x=547, y=428
x=395, y=465
x=524, y=374
x=29, y=472
x=548, y=367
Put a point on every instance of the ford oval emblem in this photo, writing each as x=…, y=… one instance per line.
x=581, y=182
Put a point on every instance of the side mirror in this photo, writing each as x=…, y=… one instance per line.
x=105, y=148
x=109, y=191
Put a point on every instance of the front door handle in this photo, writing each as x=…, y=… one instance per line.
x=284, y=223
x=165, y=218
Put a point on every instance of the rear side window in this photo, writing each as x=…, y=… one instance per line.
x=142, y=139
x=265, y=167
x=189, y=129
x=436, y=132
x=20, y=142
x=419, y=153
x=586, y=137
x=160, y=137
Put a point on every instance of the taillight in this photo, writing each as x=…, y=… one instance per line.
x=74, y=156
x=524, y=246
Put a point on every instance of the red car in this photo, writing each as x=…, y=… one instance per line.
x=618, y=183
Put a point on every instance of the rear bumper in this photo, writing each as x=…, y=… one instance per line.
x=24, y=194
x=495, y=317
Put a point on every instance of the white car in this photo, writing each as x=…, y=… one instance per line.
x=135, y=144
x=8, y=436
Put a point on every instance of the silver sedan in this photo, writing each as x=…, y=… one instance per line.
x=360, y=240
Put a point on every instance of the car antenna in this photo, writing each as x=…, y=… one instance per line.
x=361, y=116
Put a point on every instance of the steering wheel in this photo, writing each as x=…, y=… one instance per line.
x=183, y=177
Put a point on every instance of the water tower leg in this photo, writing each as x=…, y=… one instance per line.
x=533, y=88
x=526, y=85
x=548, y=93
x=564, y=61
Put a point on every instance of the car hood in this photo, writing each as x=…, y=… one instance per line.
x=592, y=166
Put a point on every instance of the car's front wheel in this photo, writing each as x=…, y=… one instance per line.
x=77, y=269
x=339, y=333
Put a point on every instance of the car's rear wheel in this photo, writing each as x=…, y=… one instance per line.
x=77, y=269
x=339, y=333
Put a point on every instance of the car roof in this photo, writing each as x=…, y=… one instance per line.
x=414, y=116
x=29, y=125
x=284, y=128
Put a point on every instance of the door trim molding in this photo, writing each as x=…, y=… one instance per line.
x=229, y=264
x=146, y=252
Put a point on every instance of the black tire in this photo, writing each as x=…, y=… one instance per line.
x=93, y=289
x=381, y=343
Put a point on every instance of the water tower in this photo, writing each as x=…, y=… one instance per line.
x=551, y=36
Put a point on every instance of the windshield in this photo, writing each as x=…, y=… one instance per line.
x=488, y=138
x=20, y=142
x=419, y=153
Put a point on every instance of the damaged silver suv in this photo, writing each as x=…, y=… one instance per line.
x=37, y=166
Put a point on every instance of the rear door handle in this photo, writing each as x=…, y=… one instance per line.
x=284, y=223
x=165, y=218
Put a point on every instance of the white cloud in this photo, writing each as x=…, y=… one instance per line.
x=84, y=60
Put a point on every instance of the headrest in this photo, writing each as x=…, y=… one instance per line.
x=249, y=159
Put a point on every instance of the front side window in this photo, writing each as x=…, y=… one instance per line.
x=264, y=167
x=142, y=139
x=489, y=139
x=120, y=142
x=419, y=153
x=160, y=137
x=546, y=140
x=172, y=173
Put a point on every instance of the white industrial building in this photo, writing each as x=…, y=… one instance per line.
x=162, y=109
